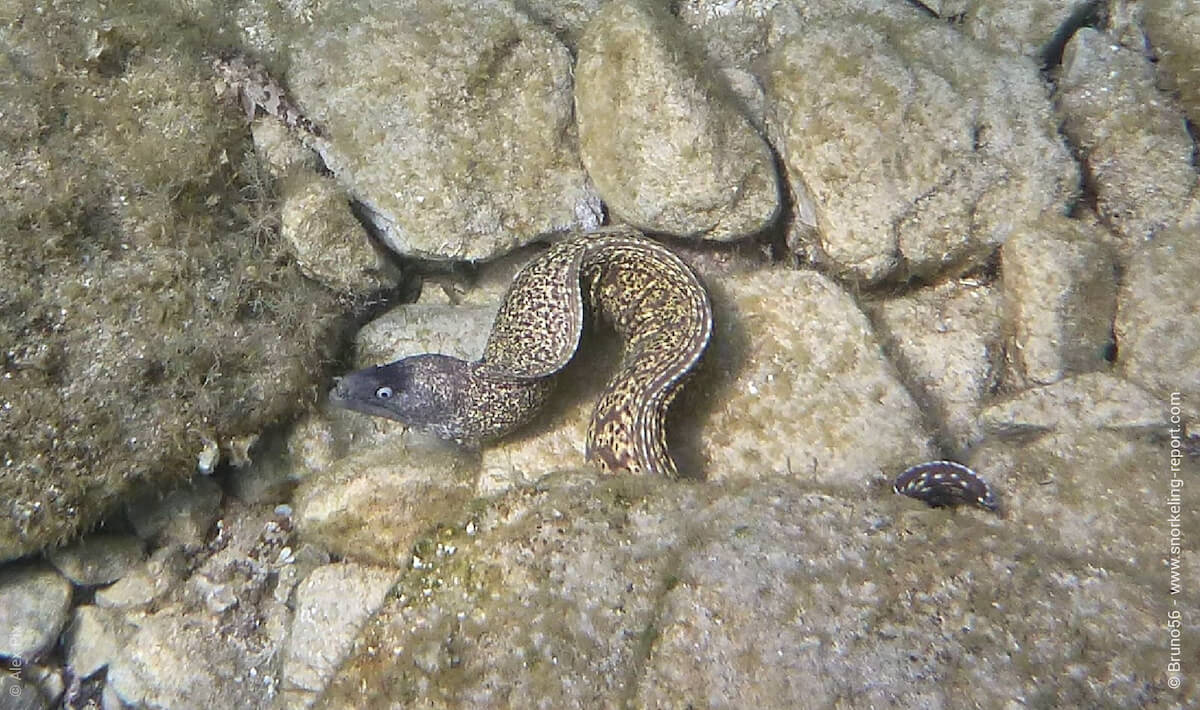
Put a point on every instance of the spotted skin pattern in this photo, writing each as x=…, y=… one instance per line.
x=651, y=297
x=943, y=483
x=256, y=90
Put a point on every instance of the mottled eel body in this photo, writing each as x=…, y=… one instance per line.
x=654, y=301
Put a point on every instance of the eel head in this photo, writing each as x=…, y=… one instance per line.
x=423, y=391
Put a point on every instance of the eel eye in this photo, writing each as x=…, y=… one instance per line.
x=383, y=393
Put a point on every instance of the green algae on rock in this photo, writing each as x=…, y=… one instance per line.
x=147, y=304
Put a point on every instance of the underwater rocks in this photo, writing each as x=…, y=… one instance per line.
x=662, y=134
x=450, y=122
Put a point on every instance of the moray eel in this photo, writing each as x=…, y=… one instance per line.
x=652, y=298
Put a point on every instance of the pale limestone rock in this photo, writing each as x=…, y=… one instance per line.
x=33, y=608
x=803, y=387
x=450, y=121
x=1171, y=28
x=1157, y=325
x=947, y=341
x=919, y=148
x=1026, y=27
x=330, y=245
x=1132, y=136
x=332, y=604
x=1060, y=290
x=372, y=506
x=1093, y=401
x=661, y=133
x=98, y=559
x=94, y=638
x=762, y=594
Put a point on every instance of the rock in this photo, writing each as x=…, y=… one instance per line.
x=186, y=649
x=460, y=331
x=1158, y=343
x=571, y=571
x=145, y=583
x=581, y=590
x=49, y=680
x=449, y=121
x=330, y=245
x=182, y=516
x=182, y=660
x=947, y=341
x=803, y=386
x=891, y=124
x=1060, y=289
x=105, y=327
x=662, y=134
x=1091, y=491
x=332, y=604
x=566, y=18
x=1029, y=27
x=372, y=506
x=1132, y=136
x=34, y=600
x=95, y=637
x=1093, y=401
x=1171, y=28
x=98, y=559
x=16, y=693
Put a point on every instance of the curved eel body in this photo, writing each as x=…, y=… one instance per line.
x=650, y=296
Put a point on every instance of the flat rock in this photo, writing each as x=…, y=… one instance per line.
x=449, y=121
x=892, y=125
x=1158, y=342
x=332, y=604
x=1060, y=291
x=1092, y=401
x=34, y=600
x=948, y=343
x=373, y=505
x=98, y=559
x=662, y=135
x=768, y=594
x=1132, y=135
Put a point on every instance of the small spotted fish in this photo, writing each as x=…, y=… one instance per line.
x=943, y=483
x=257, y=90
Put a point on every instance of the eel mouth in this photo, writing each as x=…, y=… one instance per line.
x=343, y=396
